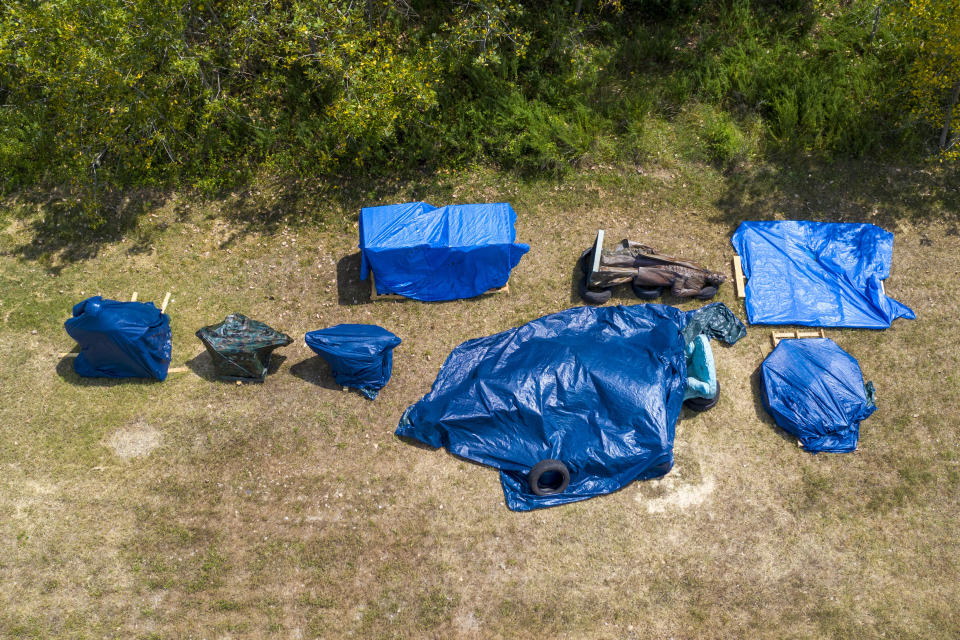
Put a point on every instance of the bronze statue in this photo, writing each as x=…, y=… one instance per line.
x=648, y=272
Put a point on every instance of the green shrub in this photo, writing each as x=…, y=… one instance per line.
x=726, y=142
x=818, y=90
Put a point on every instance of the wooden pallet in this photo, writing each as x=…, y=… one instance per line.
x=376, y=297
x=777, y=336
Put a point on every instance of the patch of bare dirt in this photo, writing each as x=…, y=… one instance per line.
x=134, y=441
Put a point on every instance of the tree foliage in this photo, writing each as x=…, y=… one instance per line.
x=144, y=87
x=930, y=31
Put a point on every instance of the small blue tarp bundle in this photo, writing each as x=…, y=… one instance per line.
x=360, y=355
x=428, y=253
x=817, y=274
x=814, y=389
x=598, y=388
x=120, y=339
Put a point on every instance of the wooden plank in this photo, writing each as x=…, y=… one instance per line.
x=739, y=282
x=597, y=253
x=376, y=297
x=166, y=300
x=381, y=296
x=74, y=354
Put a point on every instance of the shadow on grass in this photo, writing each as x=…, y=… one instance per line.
x=70, y=230
x=351, y=290
x=413, y=442
x=576, y=276
x=292, y=201
x=202, y=365
x=65, y=371
x=67, y=226
x=841, y=191
x=316, y=370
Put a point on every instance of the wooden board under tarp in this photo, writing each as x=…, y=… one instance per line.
x=777, y=336
x=739, y=282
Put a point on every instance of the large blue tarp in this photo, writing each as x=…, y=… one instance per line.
x=820, y=274
x=814, y=389
x=428, y=253
x=360, y=355
x=120, y=339
x=598, y=388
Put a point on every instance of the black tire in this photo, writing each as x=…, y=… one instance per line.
x=646, y=293
x=557, y=475
x=592, y=296
x=706, y=293
x=703, y=404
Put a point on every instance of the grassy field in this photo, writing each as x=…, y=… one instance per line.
x=198, y=509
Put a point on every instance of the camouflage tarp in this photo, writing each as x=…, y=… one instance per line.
x=240, y=347
x=715, y=321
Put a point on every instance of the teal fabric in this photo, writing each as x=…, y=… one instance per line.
x=701, y=370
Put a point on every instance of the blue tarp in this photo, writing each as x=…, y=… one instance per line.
x=360, y=355
x=817, y=274
x=120, y=339
x=814, y=389
x=428, y=253
x=598, y=388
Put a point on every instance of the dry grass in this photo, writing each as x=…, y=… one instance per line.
x=195, y=509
